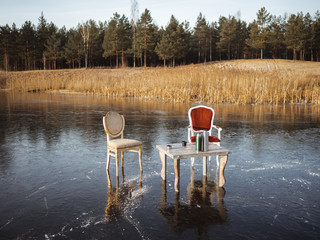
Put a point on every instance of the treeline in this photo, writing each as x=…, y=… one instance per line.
x=140, y=42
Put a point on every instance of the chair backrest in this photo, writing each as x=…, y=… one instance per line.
x=113, y=124
x=201, y=118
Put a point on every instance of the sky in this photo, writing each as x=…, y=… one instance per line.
x=70, y=13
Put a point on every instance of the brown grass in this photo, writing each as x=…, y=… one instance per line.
x=235, y=82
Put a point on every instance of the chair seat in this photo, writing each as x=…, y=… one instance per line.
x=123, y=143
x=211, y=139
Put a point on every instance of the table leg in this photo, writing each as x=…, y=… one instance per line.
x=163, y=158
x=192, y=162
x=177, y=174
x=223, y=162
x=204, y=166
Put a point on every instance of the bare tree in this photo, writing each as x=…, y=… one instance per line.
x=85, y=33
x=134, y=19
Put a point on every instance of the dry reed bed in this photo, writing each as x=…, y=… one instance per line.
x=235, y=82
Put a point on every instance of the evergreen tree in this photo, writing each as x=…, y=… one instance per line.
x=117, y=38
x=5, y=43
x=164, y=48
x=110, y=39
x=240, y=39
x=29, y=43
x=73, y=49
x=228, y=34
x=213, y=39
x=253, y=41
x=316, y=35
x=294, y=33
x=15, y=48
x=43, y=35
x=146, y=35
x=176, y=34
x=98, y=52
x=52, y=51
x=124, y=32
x=172, y=35
x=276, y=36
x=62, y=36
x=308, y=38
x=95, y=43
x=263, y=20
x=259, y=31
x=201, y=33
x=220, y=23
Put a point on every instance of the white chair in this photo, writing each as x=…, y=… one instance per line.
x=114, y=124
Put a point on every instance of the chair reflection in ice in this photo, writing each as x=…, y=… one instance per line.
x=205, y=206
x=119, y=197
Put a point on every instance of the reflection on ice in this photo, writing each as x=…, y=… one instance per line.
x=54, y=185
x=205, y=206
x=120, y=197
x=122, y=200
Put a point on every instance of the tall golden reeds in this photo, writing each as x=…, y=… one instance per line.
x=234, y=82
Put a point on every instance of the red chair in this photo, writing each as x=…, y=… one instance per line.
x=201, y=119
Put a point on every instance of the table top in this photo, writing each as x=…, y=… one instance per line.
x=178, y=151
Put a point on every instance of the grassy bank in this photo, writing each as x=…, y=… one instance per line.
x=235, y=82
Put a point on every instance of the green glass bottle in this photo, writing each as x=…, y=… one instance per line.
x=199, y=142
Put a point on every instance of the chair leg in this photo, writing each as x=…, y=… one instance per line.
x=109, y=180
x=140, y=159
x=117, y=163
x=122, y=166
x=108, y=161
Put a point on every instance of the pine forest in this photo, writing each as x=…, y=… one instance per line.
x=138, y=42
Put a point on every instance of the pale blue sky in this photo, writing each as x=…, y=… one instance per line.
x=70, y=13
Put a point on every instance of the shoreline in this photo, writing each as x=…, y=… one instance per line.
x=68, y=93
x=238, y=82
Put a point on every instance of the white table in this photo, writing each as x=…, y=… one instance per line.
x=178, y=152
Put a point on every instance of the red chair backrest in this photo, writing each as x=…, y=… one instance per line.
x=201, y=118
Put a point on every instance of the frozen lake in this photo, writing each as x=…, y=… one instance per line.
x=53, y=183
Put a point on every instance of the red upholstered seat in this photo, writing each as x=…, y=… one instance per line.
x=201, y=119
x=212, y=139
